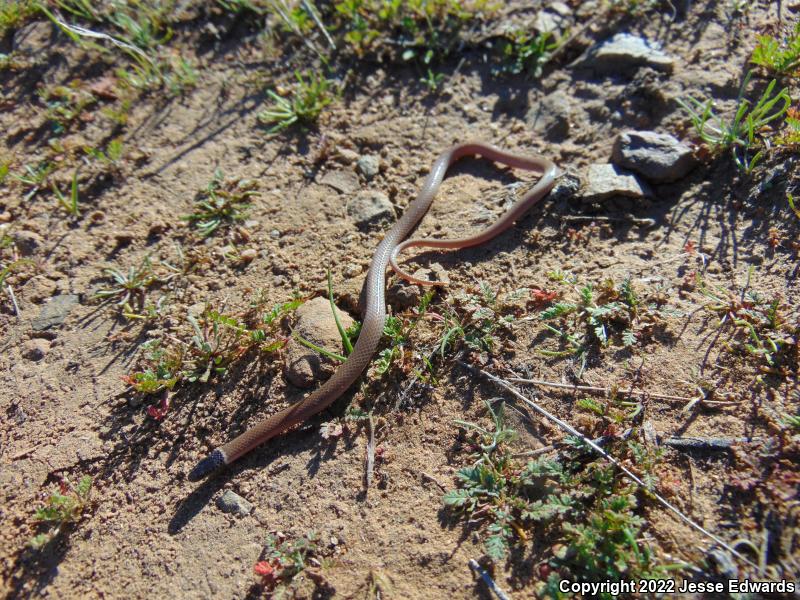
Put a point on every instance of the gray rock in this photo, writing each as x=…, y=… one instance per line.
x=624, y=52
x=27, y=242
x=370, y=208
x=403, y=294
x=369, y=166
x=35, y=349
x=55, y=312
x=567, y=185
x=231, y=502
x=342, y=181
x=305, y=367
x=553, y=18
x=657, y=156
x=551, y=118
x=606, y=180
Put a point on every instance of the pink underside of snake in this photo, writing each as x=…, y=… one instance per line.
x=375, y=308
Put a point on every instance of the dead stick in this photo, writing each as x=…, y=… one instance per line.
x=487, y=579
x=572, y=431
x=599, y=390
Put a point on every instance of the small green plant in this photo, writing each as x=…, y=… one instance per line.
x=13, y=14
x=795, y=208
x=35, y=178
x=584, y=511
x=309, y=97
x=222, y=202
x=70, y=205
x=780, y=56
x=522, y=52
x=759, y=327
x=129, y=289
x=610, y=313
x=283, y=560
x=743, y=134
x=111, y=156
x=66, y=105
x=61, y=508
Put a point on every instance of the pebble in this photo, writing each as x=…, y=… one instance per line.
x=624, y=52
x=231, y=502
x=567, y=185
x=348, y=156
x=35, y=349
x=403, y=294
x=551, y=117
x=370, y=208
x=345, y=182
x=369, y=166
x=607, y=180
x=55, y=312
x=658, y=157
x=305, y=367
x=27, y=242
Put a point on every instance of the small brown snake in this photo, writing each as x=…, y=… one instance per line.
x=375, y=310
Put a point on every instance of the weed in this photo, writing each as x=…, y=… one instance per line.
x=310, y=95
x=521, y=52
x=70, y=205
x=66, y=105
x=780, y=56
x=162, y=372
x=13, y=14
x=601, y=316
x=584, y=512
x=790, y=136
x=758, y=327
x=790, y=200
x=111, y=156
x=130, y=287
x=283, y=561
x=743, y=134
x=35, y=178
x=222, y=202
x=5, y=169
x=422, y=30
x=61, y=508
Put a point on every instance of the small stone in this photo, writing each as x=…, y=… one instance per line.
x=369, y=166
x=348, y=156
x=353, y=270
x=305, y=367
x=157, y=229
x=231, y=502
x=403, y=294
x=345, y=182
x=275, y=234
x=5, y=217
x=607, y=180
x=55, y=312
x=370, y=208
x=123, y=238
x=567, y=185
x=625, y=52
x=551, y=118
x=35, y=349
x=248, y=255
x=27, y=242
x=657, y=156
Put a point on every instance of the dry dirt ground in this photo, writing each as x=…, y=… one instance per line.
x=147, y=532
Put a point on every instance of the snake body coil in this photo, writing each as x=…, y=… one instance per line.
x=375, y=310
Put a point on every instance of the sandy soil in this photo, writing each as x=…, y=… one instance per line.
x=149, y=533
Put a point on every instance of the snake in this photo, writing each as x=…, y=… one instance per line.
x=374, y=315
